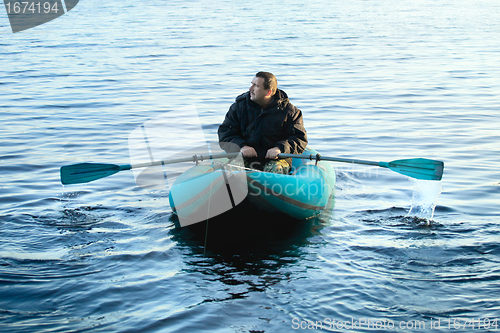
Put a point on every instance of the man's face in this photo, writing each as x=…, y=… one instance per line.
x=257, y=91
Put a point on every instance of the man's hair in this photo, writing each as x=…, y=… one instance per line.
x=270, y=81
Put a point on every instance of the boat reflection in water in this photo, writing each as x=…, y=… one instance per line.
x=247, y=251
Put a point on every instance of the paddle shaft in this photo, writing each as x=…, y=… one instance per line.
x=418, y=168
x=87, y=172
x=194, y=158
x=313, y=157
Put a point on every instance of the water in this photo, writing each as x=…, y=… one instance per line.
x=378, y=80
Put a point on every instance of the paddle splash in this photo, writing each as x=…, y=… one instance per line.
x=424, y=199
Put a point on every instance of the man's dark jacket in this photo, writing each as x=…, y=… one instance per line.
x=279, y=125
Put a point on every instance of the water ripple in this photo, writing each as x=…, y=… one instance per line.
x=375, y=80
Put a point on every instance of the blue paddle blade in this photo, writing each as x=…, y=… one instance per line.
x=419, y=168
x=87, y=172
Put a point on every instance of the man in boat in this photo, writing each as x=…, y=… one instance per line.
x=263, y=123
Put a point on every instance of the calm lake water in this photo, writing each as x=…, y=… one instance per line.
x=376, y=80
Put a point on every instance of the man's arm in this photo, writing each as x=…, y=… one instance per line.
x=230, y=130
x=296, y=140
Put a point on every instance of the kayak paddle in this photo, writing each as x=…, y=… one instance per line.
x=87, y=172
x=419, y=168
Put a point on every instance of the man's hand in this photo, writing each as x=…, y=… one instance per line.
x=273, y=153
x=248, y=151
